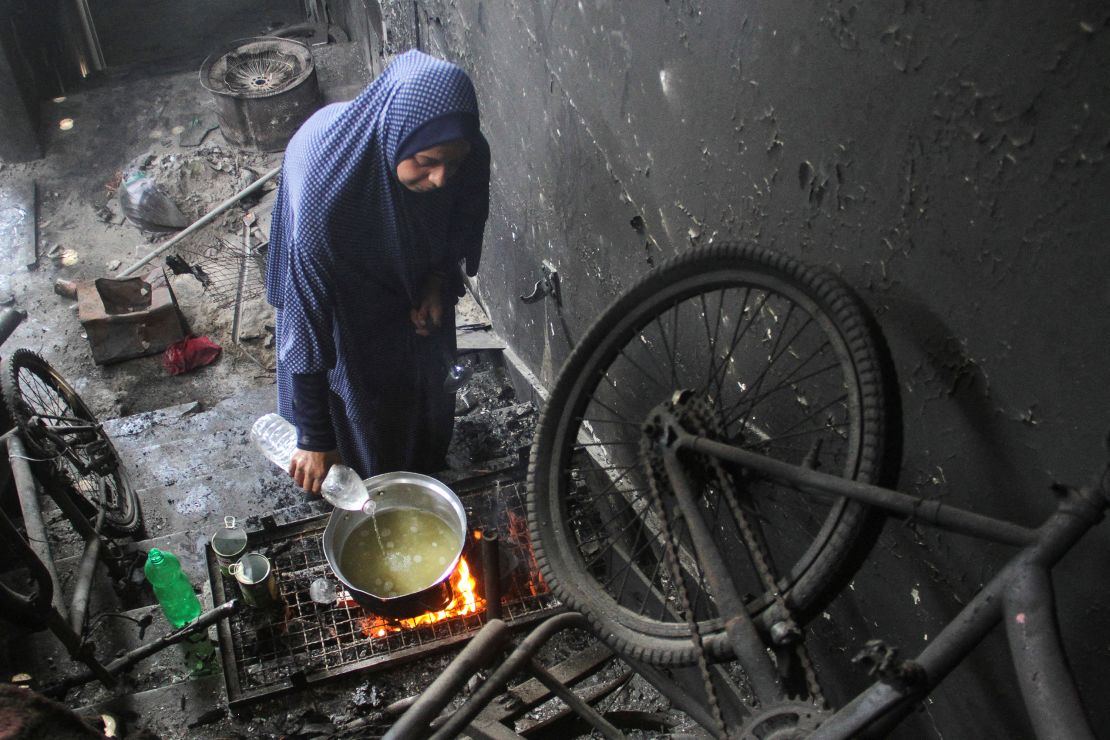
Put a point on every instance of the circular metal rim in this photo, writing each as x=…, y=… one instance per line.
x=211, y=61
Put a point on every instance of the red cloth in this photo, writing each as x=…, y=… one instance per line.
x=189, y=354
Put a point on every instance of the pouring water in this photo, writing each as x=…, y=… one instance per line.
x=344, y=489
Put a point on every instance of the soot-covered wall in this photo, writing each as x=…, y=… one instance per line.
x=948, y=159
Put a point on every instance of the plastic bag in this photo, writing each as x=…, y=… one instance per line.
x=189, y=354
x=146, y=206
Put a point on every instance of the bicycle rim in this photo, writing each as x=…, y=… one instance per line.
x=41, y=402
x=785, y=363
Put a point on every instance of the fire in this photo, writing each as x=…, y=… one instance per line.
x=465, y=601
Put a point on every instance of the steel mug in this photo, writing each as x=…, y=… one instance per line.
x=256, y=580
x=229, y=544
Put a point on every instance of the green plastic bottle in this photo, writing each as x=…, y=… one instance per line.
x=171, y=587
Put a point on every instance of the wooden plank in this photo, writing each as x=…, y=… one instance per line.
x=18, y=225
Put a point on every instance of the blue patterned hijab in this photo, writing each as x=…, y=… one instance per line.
x=340, y=203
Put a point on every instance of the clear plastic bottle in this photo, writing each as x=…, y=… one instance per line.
x=342, y=488
x=171, y=587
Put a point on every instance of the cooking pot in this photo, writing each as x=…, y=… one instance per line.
x=401, y=490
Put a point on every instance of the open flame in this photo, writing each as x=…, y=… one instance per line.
x=465, y=601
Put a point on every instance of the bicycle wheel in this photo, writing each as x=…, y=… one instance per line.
x=57, y=425
x=786, y=363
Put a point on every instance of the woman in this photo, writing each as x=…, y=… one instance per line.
x=380, y=200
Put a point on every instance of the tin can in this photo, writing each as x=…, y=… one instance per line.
x=228, y=544
x=256, y=579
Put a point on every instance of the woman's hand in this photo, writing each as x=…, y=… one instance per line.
x=308, y=469
x=428, y=316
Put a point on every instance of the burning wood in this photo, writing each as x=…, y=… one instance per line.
x=465, y=601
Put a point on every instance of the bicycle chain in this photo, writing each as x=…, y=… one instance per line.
x=697, y=416
x=653, y=459
x=757, y=547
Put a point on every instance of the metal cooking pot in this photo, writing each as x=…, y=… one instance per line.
x=400, y=490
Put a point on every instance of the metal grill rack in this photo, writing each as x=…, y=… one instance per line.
x=267, y=654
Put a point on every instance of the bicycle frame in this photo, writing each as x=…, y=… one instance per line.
x=46, y=605
x=1021, y=593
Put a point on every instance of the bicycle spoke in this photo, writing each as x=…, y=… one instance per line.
x=740, y=331
x=776, y=341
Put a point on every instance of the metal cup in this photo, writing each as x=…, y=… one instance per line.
x=256, y=580
x=229, y=544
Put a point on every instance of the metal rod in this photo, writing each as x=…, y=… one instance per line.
x=517, y=660
x=574, y=701
x=237, y=313
x=1047, y=685
x=92, y=40
x=86, y=570
x=416, y=722
x=27, y=489
x=749, y=647
x=203, y=622
x=201, y=222
x=491, y=573
x=931, y=512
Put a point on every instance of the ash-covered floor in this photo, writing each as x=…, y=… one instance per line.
x=184, y=438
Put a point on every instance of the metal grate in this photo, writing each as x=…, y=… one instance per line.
x=264, y=655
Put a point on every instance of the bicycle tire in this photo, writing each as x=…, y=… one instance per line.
x=34, y=394
x=570, y=491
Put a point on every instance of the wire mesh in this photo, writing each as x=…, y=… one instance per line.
x=217, y=264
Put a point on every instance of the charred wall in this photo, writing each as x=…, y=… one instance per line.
x=948, y=159
x=161, y=34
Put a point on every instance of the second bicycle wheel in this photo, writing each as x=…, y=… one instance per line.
x=59, y=427
x=780, y=359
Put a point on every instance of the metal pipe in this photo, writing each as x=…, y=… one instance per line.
x=27, y=489
x=574, y=701
x=491, y=573
x=745, y=640
x=416, y=722
x=933, y=512
x=201, y=222
x=517, y=660
x=9, y=320
x=1047, y=685
x=79, y=606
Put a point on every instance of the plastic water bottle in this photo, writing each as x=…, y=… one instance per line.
x=171, y=587
x=457, y=374
x=342, y=488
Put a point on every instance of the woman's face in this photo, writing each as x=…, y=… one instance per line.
x=429, y=169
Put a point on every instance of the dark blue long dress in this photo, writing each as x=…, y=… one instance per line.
x=351, y=248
